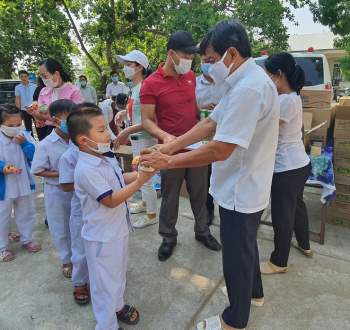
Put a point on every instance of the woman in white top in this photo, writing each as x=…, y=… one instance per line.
x=136, y=66
x=292, y=165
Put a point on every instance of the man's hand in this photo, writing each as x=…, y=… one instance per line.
x=11, y=169
x=168, y=138
x=19, y=139
x=209, y=106
x=121, y=139
x=120, y=117
x=154, y=159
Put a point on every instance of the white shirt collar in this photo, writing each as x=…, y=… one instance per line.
x=240, y=72
x=4, y=138
x=54, y=137
x=89, y=159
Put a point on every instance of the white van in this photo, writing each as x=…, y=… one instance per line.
x=315, y=66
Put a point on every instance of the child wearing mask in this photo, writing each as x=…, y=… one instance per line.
x=102, y=192
x=16, y=183
x=57, y=201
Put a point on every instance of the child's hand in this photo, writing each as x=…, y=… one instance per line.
x=143, y=176
x=20, y=139
x=10, y=169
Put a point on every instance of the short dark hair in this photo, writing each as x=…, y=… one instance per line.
x=226, y=34
x=122, y=98
x=78, y=121
x=285, y=62
x=7, y=110
x=114, y=72
x=61, y=106
x=82, y=76
x=52, y=66
x=22, y=72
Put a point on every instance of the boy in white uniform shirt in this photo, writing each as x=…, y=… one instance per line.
x=100, y=187
x=57, y=202
x=16, y=183
x=80, y=276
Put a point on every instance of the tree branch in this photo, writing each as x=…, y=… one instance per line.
x=81, y=42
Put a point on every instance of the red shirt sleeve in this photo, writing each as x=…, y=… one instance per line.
x=147, y=96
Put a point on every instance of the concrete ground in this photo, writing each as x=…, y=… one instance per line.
x=175, y=295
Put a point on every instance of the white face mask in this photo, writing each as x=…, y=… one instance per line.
x=101, y=148
x=184, y=65
x=219, y=71
x=11, y=131
x=129, y=72
x=49, y=83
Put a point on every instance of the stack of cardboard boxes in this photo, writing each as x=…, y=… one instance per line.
x=317, y=109
x=339, y=212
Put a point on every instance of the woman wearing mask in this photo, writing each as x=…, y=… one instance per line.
x=292, y=166
x=58, y=87
x=136, y=69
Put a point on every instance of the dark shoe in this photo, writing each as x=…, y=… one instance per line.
x=209, y=242
x=210, y=217
x=46, y=223
x=166, y=250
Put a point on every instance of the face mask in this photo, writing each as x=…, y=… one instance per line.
x=82, y=83
x=115, y=79
x=219, y=71
x=11, y=131
x=63, y=127
x=130, y=84
x=205, y=68
x=101, y=148
x=184, y=66
x=49, y=83
x=129, y=72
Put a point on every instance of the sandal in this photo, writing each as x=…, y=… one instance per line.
x=6, y=256
x=126, y=315
x=81, y=295
x=67, y=270
x=212, y=323
x=32, y=247
x=268, y=268
x=14, y=237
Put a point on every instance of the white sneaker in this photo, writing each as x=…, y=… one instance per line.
x=145, y=221
x=137, y=208
x=258, y=302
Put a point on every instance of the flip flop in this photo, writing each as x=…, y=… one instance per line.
x=126, y=313
x=14, y=237
x=268, y=268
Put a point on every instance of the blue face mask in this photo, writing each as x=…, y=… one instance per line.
x=115, y=79
x=205, y=68
x=63, y=127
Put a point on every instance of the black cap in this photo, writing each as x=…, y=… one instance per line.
x=182, y=41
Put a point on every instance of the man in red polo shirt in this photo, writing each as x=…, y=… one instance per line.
x=169, y=109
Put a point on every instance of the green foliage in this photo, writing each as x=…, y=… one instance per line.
x=32, y=30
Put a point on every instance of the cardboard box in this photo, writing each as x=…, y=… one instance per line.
x=342, y=171
x=342, y=148
x=342, y=122
x=344, y=101
x=307, y=121
x=316, y=99
x=320, y=135
x=125, y=154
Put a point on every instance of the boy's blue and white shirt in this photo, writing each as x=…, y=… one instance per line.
x=21, y=156
x=48, y=154
x=94, y=179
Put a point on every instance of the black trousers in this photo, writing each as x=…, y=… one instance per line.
x=289, y=213
x=210, y=200
x=196, y=184
x=240, y=258
x=28, y=121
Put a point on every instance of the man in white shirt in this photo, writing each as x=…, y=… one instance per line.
x=116, y=87
x=87, y=91
x=245, y=128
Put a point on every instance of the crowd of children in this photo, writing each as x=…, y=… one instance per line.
x=85, y=194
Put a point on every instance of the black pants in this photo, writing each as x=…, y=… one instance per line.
x=28, y=121
x=289, y=213
x=196, y=184
x=43, y=132
x=210, y=200
x=240, y=258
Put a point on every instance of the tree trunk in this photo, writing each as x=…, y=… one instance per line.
x=6, y=68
